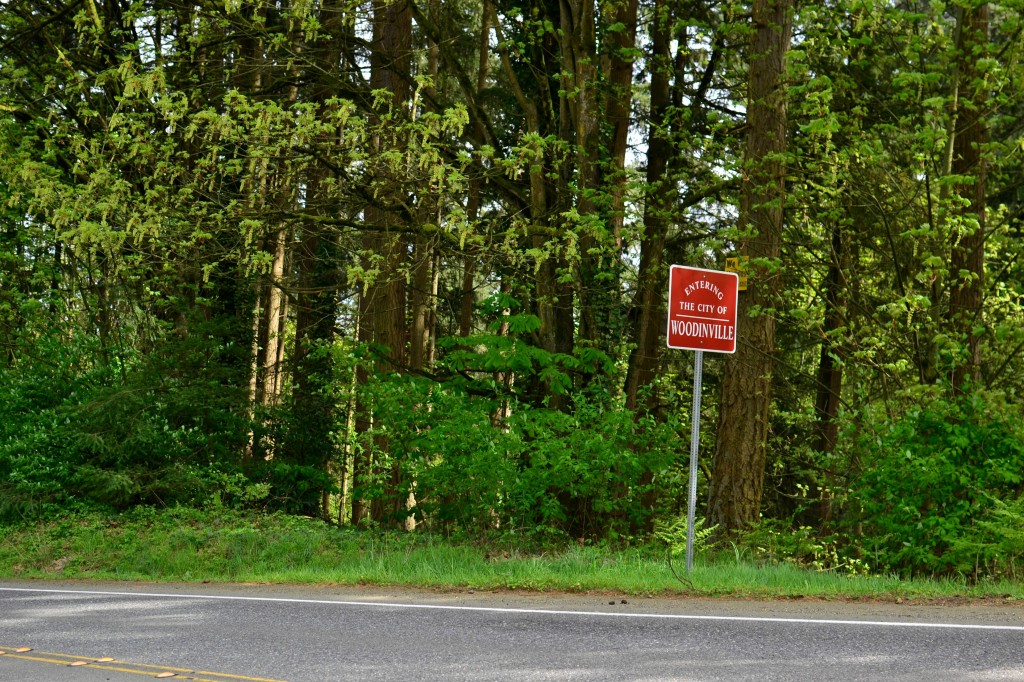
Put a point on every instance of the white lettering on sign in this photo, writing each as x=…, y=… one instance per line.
x=707, y=330
x=704, y=284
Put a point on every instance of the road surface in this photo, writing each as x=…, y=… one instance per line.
x=272, y=633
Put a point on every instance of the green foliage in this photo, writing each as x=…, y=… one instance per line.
x=35, y=465
x=287, y=486
x=71, y=433
x=997, y=545
x=673, y=533
x=937, y=486
x=774, y=542
x=484, y=358
x=484, y=463
x=587, y=472
x=443, y=439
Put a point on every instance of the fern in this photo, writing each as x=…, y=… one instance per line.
x=673, y=534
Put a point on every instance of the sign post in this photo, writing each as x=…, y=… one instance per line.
x=702, y=310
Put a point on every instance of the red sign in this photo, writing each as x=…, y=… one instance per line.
x=702, y=309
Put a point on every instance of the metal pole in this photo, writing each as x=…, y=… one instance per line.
x=698, y=371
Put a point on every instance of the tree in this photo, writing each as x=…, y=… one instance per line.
x=967, y=238
x=739, y=462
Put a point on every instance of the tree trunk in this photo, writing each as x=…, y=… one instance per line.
x=967, y=242
x=312, y=443
x=830, y=361
x=830, y=368
x=273, y=324
x=553, y=297
x=620, y=46
x=649, y=306
x=467, y=301
x=309, y=444
x=582, y=126
x=738, y=469
x=382, y=302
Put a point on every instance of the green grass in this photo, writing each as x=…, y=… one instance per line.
x=182, y=545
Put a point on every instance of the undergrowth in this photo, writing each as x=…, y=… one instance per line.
x=227, y=546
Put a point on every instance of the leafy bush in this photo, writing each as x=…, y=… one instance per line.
x=550, y=455
x=445, y=443
x=582, y=474
x=934, y=485
x=998, y=543
x=781, y=542
x=154, y=430
x=479, y=463
x=592, y=472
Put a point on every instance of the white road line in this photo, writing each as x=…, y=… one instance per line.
x=550, y=612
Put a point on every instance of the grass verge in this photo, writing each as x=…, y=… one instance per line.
x=185, y=545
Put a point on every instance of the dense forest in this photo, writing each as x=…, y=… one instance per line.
x=404, y=264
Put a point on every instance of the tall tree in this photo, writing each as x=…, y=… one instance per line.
x=383, y=295
x=967, y=238
x=739, y=462
x=649, y=306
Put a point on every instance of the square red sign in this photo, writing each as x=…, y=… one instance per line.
x=702, y=307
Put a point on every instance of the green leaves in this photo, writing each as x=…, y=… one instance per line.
x=933, y=482
x=673, y=533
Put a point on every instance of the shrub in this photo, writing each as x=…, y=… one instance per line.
x=931, y=486
x=593, y=472
x=154, y=431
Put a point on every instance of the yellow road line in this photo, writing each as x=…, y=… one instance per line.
x=26, y=657
x=228, y=676
x=112, y=668
x=137, y=669
x=237, y=677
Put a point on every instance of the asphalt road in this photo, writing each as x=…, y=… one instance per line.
x=260, y=633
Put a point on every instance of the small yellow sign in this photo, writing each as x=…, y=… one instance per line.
x=733, y=265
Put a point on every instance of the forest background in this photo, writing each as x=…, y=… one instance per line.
x=404, y=265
